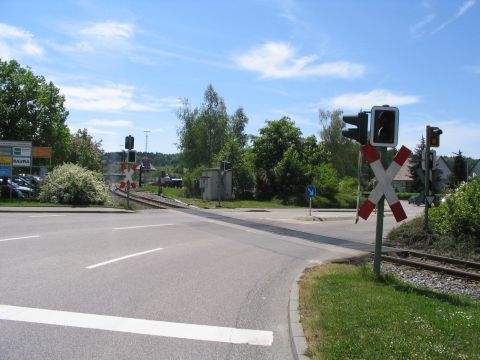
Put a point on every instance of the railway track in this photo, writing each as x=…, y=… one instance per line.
x=440, y=264
x=150, y=200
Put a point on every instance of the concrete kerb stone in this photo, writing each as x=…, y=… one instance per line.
x=297, y=336
x=64, y=210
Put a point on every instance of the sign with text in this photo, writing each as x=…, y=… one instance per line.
x=6, y=160
x=22, y=162
x=45, y=152
x=5, y=151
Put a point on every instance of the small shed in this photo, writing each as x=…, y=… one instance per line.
x=216, y=184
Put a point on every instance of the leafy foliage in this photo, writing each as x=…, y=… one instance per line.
x=343, y=151
x=326, y=180
x=459, y=215
x=205, y=130
x=242, y=168
x=32, y=110
x=459, y=171
x=74, y=185
x=269, y=148
x=291, y=177
x=416, y=163
x=85, y=151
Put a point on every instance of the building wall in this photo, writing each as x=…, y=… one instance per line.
x=214, y=182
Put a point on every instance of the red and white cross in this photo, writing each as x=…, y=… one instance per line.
x=384, y=185
x=128, y=176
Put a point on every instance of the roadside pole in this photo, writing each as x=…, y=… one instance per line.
x=128, y=194
x=310, y=206
x=427, y=178
x=379, y=228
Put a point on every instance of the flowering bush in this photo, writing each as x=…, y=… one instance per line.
x=74, y=185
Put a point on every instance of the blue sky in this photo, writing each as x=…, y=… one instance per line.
x=124, y=65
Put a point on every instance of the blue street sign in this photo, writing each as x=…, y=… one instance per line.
x=311, y=190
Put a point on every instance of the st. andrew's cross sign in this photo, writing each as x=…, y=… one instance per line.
x=384, y=182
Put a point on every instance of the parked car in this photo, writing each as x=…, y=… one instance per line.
x=8, y=190
x=25, y=190
x=417, y=199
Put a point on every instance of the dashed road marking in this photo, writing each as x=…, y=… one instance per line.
x=121, y=258
x=21, y=238
x=140, y=226
x=137, y=326
x=42, y=216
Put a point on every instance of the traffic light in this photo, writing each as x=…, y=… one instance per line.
x=384, y=127
x=129, y=142
x=434, y=136
x=359, y=134
x=225, y=165
x=132, y=156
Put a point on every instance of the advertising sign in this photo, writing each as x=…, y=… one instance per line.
x=45, y=152
x=5, y=151
x=22, y=162
x=5, y=171
x=6, y=160
x=22, y=151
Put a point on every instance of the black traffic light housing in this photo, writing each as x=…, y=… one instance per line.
x=360, y=133
x=384, y=126
x=132, y=156
x=225, y=165
x=129, y=142
x=434, y=136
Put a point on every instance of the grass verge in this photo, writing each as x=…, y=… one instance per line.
x=179, y=194
x=347, y=315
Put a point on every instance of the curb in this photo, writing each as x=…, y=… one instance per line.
x=297, y=336
x=65, y=211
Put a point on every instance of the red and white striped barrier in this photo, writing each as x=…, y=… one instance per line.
x=384, y=185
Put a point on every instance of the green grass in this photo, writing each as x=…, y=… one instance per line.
x=340, y=200
x=179, y=194
x=26, y=203
x=347, y=315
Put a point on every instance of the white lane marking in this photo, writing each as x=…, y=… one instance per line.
x=21, y=238
x=140, y=226
x=137, y=326
x=122, y=258
x=41, y=216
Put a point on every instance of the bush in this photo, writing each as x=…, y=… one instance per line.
x=191, y=183
x=326, y=181
x=459, y=215
x=74, y=185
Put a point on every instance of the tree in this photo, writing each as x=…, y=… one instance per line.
x=243, y=174
x=416, y=163
x=459, y=171
x=85, y=151
x=269, y=148
x=291, y=177
x=205, y=130
x=236, y=126
x=343, y=151
x=32, y=110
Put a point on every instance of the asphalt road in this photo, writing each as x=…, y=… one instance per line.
x=158, y=284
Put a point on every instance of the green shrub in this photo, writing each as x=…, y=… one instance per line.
x=459, y=215
x=191, y=183
x=348, y=185
x=326, y=180
x=74, y=185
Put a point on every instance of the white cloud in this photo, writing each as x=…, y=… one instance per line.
x=16, y=42
x=364, y=101
x=278, y=60
x=114, y=98
x=453, y=130
x=462, y=10
x=108, y=30
x=417, y=29
x=110, y=123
